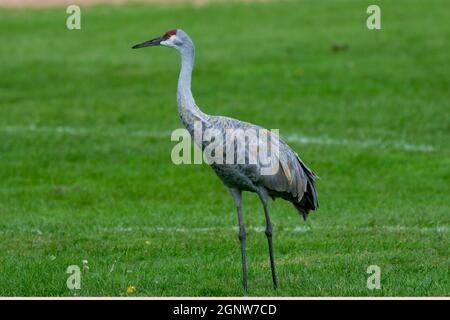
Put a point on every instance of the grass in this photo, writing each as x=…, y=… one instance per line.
x=85, y=169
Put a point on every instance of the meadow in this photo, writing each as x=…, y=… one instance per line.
x=86, y=174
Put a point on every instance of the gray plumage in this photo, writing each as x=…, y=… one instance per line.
x=293, y=181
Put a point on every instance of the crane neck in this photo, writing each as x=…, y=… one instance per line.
x=187, y=108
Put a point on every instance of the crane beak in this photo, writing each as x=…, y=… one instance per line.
x=149, y=43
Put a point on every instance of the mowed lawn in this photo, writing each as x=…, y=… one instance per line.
x=86, y=173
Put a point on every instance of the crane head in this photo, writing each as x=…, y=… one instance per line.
x=174, y=38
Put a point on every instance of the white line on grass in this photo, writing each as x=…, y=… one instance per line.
x=366, y=143
x=439, y=229
x=297, y=229
x=295, y=138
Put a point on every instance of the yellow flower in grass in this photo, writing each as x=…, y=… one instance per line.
x=131, y=289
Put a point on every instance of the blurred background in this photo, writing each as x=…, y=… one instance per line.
x=44, y=3
x=85, y=169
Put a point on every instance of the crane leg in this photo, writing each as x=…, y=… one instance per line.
x=237, y=196
x=263, y=196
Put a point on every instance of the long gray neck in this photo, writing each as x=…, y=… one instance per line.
x=188, y=110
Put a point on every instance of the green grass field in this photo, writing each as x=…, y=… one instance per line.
x=86, y=174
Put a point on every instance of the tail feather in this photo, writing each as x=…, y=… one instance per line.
x=301, y=210
x=309, y=201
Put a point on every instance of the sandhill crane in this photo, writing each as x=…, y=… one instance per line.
x=293, y=181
